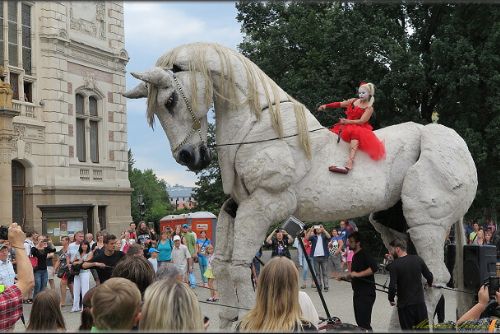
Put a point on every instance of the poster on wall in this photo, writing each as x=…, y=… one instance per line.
x=74, y=226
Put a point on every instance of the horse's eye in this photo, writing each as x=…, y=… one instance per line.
x=172, y=100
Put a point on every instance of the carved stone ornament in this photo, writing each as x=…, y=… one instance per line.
x=88, y=17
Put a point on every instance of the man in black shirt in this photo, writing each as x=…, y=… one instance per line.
x=107, y=260
x=406, y=280
x=362, y=278
x=280, y=241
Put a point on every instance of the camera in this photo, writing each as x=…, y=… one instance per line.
x=4, y=232
x=493, y=284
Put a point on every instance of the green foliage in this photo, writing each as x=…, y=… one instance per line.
x=153, y=190
x=421, y=57
x=208, y=193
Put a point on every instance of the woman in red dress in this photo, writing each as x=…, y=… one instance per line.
x=355, y=129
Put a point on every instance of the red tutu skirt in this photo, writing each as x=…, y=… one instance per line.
x=368, y=141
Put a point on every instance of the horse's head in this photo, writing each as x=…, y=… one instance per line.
x=181, y=107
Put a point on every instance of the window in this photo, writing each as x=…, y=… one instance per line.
x=16, y=47
x=18, y=182
x=87, y=116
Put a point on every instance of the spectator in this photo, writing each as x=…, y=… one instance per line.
x=153, y=258
x=99, y=244
x=488, y=236
x=479, y=237
x=86, y=318
x=106, y=261
x=406, y=279
x=126, y=242
x=303, y=260
x=136, y=250
x=170, y=306
x=82, y=279
x=473, y=234
x=201, y=246
x=182, y=258
x=190, y=240
x=116, y=305
x=144, y=237
x=335, y=248
x=51, y=257
x=319, y=238
x=279, y=241
x=42, y=249
x=277, y=307
x=90, y=239
x=73, y=248
x=169, y=271
x=7, y=274
x=490, y=225
x=29, y=243
x=165, y=246
x=209, y=274
x=46, y=314
x=136, y=269
x=11, y=299
x=131, y=230
x=62, y=269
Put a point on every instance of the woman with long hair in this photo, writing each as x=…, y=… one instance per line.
x=46, y=314
x=277, y=306
x=165, y=245
x=170, y=305
x=81, y=281
x=61, y=268
x=86, y=317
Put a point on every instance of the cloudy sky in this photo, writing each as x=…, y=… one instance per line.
x=151, y=29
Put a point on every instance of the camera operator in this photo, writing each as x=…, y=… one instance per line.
x=11, y=299
x=280, y=241
x=482, y=316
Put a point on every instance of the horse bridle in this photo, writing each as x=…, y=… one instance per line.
x=196, y=127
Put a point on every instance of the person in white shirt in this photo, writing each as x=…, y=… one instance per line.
x=182, y=258
x=153, y=258
x=7, y=274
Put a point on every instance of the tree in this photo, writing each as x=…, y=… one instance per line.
x=422, y=58
x=208, y=193
x=153, y=190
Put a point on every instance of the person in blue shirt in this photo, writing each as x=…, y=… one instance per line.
x=164, y=247
x=201, y=245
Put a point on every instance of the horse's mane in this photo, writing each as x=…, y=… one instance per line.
x=197, y=62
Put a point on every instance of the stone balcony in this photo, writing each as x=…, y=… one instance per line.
x=26, y=109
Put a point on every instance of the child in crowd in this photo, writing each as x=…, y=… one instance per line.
x=210, y=274
x=153, y=258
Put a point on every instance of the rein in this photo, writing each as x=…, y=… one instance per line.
x=196, y=127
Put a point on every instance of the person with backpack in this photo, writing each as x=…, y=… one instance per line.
x=164, y=247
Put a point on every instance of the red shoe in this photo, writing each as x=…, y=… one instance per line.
x=340, y=170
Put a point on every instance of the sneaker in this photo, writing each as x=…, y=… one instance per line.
x=74, y=310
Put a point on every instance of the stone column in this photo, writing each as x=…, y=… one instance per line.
x=7, y=146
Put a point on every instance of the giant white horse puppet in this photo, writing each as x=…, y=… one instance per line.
x=274, y=157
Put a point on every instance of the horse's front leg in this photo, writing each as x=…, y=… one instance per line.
x=253, y=219
x=222, y=261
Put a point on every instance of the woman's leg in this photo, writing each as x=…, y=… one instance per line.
x=352, y=153
x=203, y=268
x=85, y=282
x=63, y=286
x=305, y=270
x=45, y=277
x=38, y=283
x=77, y=289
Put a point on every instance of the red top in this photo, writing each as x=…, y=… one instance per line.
x=11, y=307
x=368, y=141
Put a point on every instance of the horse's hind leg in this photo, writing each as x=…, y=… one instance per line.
x=222, y=260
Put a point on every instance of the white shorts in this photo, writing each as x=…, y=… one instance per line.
x=50, y=271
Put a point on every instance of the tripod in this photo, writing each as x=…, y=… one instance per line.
x=330, y=320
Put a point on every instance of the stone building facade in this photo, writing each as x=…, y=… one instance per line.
x=63, y=142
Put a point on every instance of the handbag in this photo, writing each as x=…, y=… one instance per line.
x=34, y=261
x=75, y=269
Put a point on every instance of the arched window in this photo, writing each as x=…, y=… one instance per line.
x=18, y=184
x=87, y=116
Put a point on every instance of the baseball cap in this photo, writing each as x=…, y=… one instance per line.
x=176, y=237
x=185, y=225
x=153, y=250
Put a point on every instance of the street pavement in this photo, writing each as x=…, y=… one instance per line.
x=338, y=300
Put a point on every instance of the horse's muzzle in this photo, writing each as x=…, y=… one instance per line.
x=194, y=158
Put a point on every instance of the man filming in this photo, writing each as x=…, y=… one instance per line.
x=280, y=241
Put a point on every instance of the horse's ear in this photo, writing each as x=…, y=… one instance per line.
x=157, y=76
x=138, y=92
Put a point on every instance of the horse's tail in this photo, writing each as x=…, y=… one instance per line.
x=464, y=301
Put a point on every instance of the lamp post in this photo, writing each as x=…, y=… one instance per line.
x=142, y=206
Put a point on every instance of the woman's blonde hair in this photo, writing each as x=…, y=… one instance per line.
x=115, y=304
x=170, y=305
x=46, y=313
x=371, y=90
x=277, y=306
